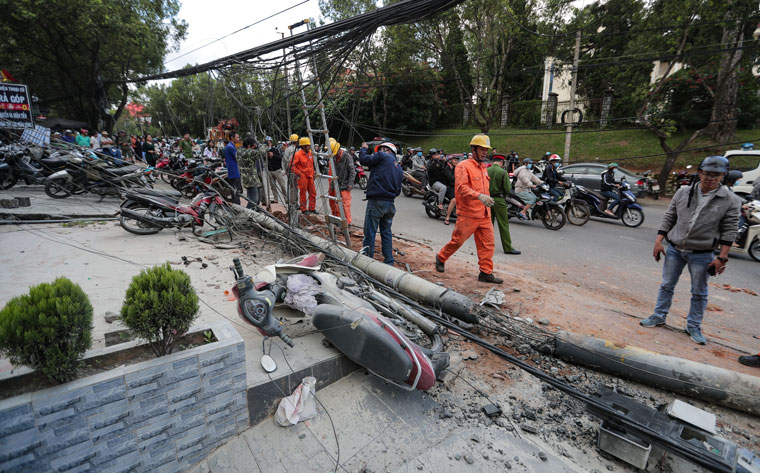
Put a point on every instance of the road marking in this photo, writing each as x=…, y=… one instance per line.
x=626, y=237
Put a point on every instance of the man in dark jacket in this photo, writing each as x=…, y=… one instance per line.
x=699, y=218
x=383, y=187
x=609, y=187
x=435, y=175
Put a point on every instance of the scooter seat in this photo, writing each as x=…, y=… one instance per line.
x=53, y=163
x=596, y=194
x=124, y=170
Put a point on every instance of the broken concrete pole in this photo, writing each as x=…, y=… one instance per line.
x=697, y=380
x=421, y=290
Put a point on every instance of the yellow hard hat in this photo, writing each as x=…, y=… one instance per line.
x=334, y=146
x=304, y=142
x=293, y=137
x=481, y=140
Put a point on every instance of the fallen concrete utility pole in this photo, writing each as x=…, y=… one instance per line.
x=451, y=302
x=697, y=380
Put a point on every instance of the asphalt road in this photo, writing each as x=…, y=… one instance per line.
x=619, y=256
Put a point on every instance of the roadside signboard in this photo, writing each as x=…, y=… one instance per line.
x=15, y=107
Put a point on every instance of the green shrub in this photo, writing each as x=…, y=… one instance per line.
x=48, y=329
x=160, y=307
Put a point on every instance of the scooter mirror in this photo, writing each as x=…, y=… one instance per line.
x=267, y=362
x=267, y=275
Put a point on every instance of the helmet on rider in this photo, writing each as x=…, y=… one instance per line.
x=732, y=176
x=304, y=142
x=386, y=144
x=527, y=161
x=267, y=138
x=554, y=157
x=433, y=151
x=714, y=164
x=293, y=138
x=612, y=165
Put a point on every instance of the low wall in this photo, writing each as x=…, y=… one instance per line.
x=163, y=414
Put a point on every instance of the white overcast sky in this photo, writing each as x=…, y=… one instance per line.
x=208, y=21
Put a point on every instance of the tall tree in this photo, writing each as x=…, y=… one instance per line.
x=75, y=54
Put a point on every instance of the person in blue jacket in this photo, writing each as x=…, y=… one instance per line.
x=383, y=186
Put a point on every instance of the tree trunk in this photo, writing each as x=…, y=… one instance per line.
x=723, y=117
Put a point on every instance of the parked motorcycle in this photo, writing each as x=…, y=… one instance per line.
x=20, y=166
x=551, y=214
x=653, y=187
x=628, y=211
x=82, y=175
x=361, y=176
x=411, y=185
x=146, y=211
x=748, y=238
x=375, y=332
x=430, y=201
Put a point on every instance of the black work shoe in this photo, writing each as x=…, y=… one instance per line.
x=750, y=360
x=438, y=265
x=485, y=277
x=512, y=252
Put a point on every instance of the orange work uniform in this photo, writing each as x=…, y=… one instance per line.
x=471, y=180
x=303, y=167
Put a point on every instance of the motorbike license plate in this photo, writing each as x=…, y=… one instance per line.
x=656, y=188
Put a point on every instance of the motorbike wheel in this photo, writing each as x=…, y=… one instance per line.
x=9, y=181
x=135, y=226
x=363, y=182
x=431, y=212
x=188, y=191
x=553, y=218
x=407, y=190
x=632, y=217
x=58, y=188
x=754, y=249
x=578, y=213
x=165, y=176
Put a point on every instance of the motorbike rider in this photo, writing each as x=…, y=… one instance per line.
x=435, y=175
x=418, y=167
x=406, y=161
x=552, y=177
x=609, y=188
x=525, y=180
x=513, y=162
x=474, y=215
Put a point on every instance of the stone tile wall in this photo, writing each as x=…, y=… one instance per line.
x=160, y=415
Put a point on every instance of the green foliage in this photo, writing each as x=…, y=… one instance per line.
x=72, y=53
x=160, y=306
x=525, y=114
x=48, y=329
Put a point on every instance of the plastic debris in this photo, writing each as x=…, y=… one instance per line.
x=298, y=406
x=302, y=290
x=493, y=297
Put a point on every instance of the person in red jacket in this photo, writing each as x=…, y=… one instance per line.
x=473, y=210
x=303, y=169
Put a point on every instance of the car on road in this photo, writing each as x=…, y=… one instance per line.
x=589, y=175
x=746, y=160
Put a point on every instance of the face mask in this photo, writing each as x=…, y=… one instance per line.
x=529, y=166
x=419, y=153
x=556, y=165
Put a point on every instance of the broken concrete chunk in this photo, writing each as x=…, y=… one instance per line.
x=111, y=317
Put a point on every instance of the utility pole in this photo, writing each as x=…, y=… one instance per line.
x=569, y=130
x=287, y=84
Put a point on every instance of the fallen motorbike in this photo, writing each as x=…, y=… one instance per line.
x=430, y=201
x=551, y=214
x=748, y=237
x=147, y=211
x=361, y=177
x=170, y=165
x=653, y=187
x=412, y=184
x=578, y=212
x=377, y=333
x=83, y=175
x=628, y=211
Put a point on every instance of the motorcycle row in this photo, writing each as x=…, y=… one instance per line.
x=576, y=205
x=66, y=171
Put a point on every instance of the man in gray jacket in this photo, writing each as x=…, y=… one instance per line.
x=699, y=218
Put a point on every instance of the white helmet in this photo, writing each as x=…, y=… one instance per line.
x=387, y=144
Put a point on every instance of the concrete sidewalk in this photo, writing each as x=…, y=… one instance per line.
x=380, y=428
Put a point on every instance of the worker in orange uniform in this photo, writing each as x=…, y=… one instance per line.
x=346, y=173
x=303, y=169
x=473, y=210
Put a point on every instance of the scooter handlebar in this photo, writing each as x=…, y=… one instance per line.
x=238, y=267
x=287, y=340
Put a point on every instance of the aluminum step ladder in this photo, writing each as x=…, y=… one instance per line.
x=332, y=179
